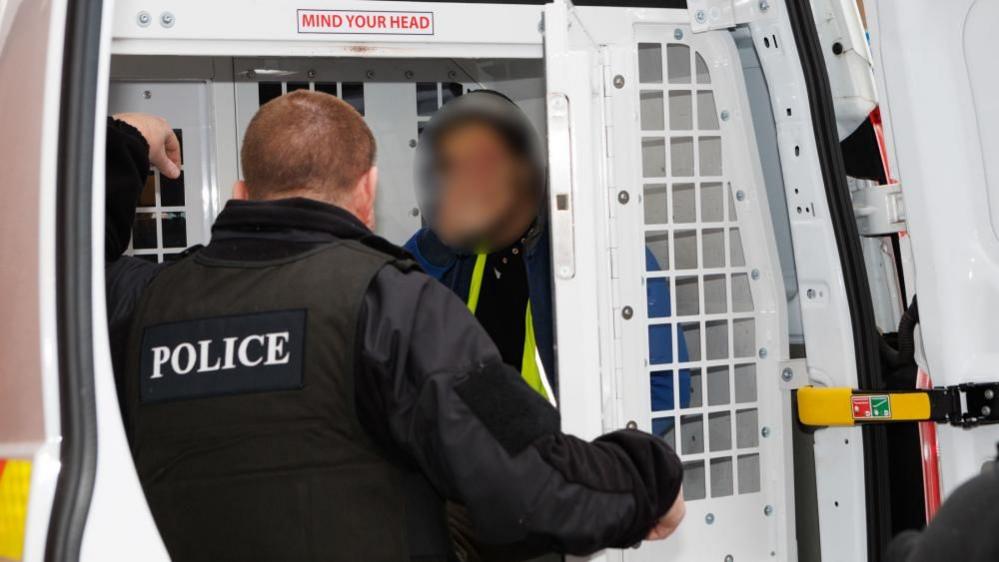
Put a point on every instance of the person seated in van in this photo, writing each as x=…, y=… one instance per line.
x=481, y=181
x=298, y=390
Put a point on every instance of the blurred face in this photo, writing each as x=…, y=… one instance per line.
x=482, y=183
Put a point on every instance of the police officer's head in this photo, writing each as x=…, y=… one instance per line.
x=481, y=170
x=313, y=145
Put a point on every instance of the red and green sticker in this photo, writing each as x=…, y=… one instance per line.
x=870, y=406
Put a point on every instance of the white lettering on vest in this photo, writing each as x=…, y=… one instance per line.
x=192, y=357
x=252, y=351
x=161, y=354
x=203, y=366
x=230, y=353
x=276, y=354
x=244, y=347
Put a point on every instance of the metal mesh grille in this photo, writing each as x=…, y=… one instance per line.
x=702, y=341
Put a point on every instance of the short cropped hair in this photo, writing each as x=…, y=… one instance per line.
x=305, y=142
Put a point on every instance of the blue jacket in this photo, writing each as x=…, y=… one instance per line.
x=455, y=271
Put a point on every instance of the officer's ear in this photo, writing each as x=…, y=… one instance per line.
x=239, y=191
x=365, y=191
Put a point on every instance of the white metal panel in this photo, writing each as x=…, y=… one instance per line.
x=270, y=27
x=937, y=63
x=828, y=332
x=738, y=500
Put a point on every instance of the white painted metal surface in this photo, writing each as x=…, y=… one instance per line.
x=848, y=61
x=676, y=147
x=271, y=27
x=937, y=67
x=825, y=314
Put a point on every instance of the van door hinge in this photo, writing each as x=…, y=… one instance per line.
x=706, y=15
x=880, y=210
x=963, y=405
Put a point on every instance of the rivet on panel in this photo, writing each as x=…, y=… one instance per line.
x=143, y=19
x=755, y=274
x=765, y=432
x=618, y=81
x=627, y=313
x=678, y=34
x=623, y=197
x=787, y=374
x=700, y=16
x=740, y=195
x=709, y=518
x=167, y=19
x=763, y=353
x=724, y=115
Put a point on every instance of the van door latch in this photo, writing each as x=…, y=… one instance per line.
x=880, y=210
x=963, y=405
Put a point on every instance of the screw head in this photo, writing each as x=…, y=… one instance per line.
x=412, y=143
x=369, y=74
x=810, y=293
x=787, y=374
x=618, y=81
x=740, y=195
x=678, y=34
x=167, y=19
x=408, y=74
x=764, y=5
x=755, y=274
x=724, y=115
x=765, y=432
x=311, y=73
x=452, y=74
x=986, y=411
x=623, y=197
x=143, y=19
x=762, y=353
x=146, y=94
x=700, y=16
x=631, y=425
x=627, y=313
x=414, y=211
x=768, y=510
x=989, y=394
x=709, y=518
x=729, y=558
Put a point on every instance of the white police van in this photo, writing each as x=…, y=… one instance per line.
x=716, y=134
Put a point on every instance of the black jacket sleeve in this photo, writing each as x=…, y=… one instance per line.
x=431, y=381
x=126, y=168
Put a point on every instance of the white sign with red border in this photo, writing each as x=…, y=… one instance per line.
x=365, y=22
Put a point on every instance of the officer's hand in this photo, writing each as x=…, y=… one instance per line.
x=164, y=148
x=669, y=522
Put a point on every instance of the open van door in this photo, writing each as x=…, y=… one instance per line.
x=937, y=80
x=666, y=269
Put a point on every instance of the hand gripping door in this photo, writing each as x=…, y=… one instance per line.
x=664, y=220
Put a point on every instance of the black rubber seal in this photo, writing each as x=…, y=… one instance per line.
x=858, y=294
x=74, y=265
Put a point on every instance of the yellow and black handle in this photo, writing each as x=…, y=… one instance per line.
x=964, y=405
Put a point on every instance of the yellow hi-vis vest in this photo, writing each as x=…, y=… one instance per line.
x=531, y=368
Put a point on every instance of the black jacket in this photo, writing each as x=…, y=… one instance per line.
x=430, y=387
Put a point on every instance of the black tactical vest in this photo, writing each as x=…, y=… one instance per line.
x=242, y=416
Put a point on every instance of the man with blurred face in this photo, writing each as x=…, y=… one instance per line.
x=298, y=390
x=481, y=175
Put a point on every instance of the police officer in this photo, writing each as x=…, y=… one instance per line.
x=298, y=390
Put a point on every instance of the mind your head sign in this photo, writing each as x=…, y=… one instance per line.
x=365, y=22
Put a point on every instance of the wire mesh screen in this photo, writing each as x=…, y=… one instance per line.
x=702, y=341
